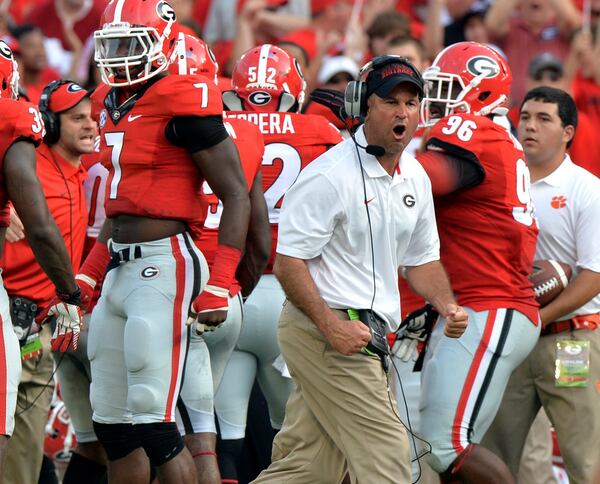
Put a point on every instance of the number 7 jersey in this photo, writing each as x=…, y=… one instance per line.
x=487, y=232
x=292, y=141
x=149, y=176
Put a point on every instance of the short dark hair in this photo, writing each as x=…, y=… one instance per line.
x=21, y=30
x=388, y=22
x=567, y=110
x=401, y=40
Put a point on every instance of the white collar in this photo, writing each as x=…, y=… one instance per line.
x=557, y=177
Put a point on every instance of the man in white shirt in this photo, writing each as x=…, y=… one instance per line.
x=354, y=216
x=567, y=203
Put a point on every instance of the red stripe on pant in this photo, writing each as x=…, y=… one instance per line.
x=470, y=381
x=3, y=381
x=176, y=343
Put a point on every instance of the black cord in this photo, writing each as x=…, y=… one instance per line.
x=409, y=427
x=27, y=406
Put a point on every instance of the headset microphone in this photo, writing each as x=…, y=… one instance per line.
x=373, y=150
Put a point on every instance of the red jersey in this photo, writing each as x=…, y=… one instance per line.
x=20, y=120
x=62, y=184
x=487, y=232
x=149, y=176
x=292, y=141
x=250, y=145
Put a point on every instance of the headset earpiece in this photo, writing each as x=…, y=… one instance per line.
x=50, y=118
x=355, y=96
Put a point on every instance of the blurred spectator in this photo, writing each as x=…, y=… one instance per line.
x=335, y=73
x=233, y=26
x=301, y=45
x=463, y=13
x=385, y=27
x=33, y=62
x=525, y=28
x=409, y=47
x=53, y=16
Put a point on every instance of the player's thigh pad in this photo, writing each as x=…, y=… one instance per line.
x=464, y=379
x=108, y=388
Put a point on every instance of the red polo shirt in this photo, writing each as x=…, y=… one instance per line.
x=22, y=275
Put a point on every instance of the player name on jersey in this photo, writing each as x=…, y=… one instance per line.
x=268, y=123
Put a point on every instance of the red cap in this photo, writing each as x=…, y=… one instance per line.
x=317, y=6
x=306, y=39
x=66, y=96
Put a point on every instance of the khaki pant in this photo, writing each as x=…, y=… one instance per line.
x=574, y=412
x=536, y=462
x=26, y=446
x=341, y=415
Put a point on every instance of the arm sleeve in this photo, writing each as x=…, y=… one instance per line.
x=450, y=168
x=424, y=245
x=195, y=133
x=311, y=210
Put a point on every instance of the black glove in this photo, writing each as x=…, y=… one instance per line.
x=417, y=326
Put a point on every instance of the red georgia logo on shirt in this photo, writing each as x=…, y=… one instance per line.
x=558, y=202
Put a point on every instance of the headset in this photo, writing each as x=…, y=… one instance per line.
x=355, y=97
x=50, y=118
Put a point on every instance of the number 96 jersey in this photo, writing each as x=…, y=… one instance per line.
x=149, y=176
x=487, y=232
x=292, y=141
x=20, y=120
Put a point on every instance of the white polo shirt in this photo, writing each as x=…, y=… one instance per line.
x=324, y=221
x=567, y=208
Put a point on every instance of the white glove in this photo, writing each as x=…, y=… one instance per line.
x=414, y=328
x=68, y=325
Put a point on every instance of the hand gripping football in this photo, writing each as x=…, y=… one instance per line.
x=549, y=279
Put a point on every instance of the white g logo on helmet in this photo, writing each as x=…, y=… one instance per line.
x=165, y=11
x=483, y=65
x=5, y=50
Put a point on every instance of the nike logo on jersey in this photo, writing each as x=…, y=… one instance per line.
x=369, y=200
x=133, y=118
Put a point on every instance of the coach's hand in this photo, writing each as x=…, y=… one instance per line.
x=347, y=337
x=457, y=321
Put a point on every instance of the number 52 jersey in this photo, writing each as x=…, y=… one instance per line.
x=292, y=141
x=487, y=232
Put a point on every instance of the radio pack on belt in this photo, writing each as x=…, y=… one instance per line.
x=378, y=344
x=22, y=314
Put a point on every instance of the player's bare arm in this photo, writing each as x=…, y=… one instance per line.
x=347, y=337
x=221, y=167
x=577, y=293
x=258, y=242
x=26, y=194
x=431, y=281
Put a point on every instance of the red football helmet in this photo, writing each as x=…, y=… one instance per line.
x=266, y=79
x=135, y=41
x=9, y=74
x=465, y=77
x=193, y=56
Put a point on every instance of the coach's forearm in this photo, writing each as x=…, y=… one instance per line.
x=431, y=282
x=301, y=290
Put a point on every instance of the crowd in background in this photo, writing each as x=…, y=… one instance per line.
x=546, y=42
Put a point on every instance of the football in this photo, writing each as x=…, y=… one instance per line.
x=549, y=279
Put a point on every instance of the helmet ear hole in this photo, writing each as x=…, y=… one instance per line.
x=484, y=95
x=4, y=84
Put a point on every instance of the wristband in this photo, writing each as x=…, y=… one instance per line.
x=73, y=298
x=96, y=262
x=222, y=272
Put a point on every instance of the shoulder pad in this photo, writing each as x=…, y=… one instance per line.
x=186, y=95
